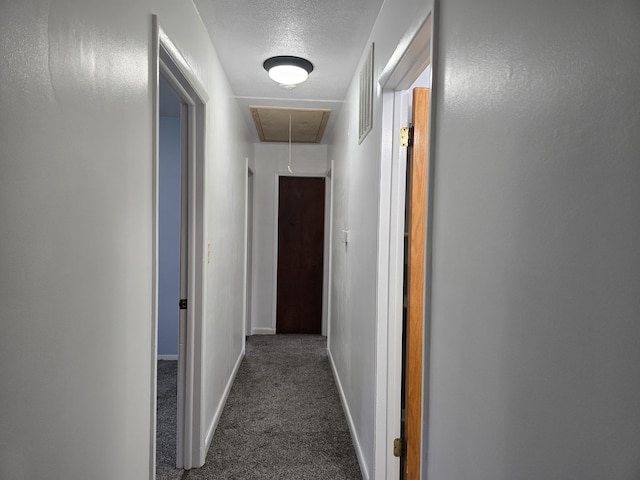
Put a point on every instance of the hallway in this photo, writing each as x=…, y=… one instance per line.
x=530, y=361
x=283, y=418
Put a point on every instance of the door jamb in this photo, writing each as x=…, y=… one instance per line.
x=167, y=59
x=404, y=67
x=326, y=317
x=248, y=242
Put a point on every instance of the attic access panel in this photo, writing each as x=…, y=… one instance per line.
x=307, y=124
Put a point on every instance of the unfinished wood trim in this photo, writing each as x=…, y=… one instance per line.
x=305, y=129
x=323, y=125
x=256, y=119
x=418, y=184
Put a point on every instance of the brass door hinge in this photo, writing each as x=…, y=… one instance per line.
x=406, y=136
x=183, y=304
x=398, y=447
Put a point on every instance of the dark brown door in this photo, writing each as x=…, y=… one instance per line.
x=300, y=255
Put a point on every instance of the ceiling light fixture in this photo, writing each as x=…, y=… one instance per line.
x=287, y=70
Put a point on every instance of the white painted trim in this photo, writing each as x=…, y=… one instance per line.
x=245, y=330
x=349, y=418
x=168, y=357
x=275, y=238
x=155, y=163
x=330, y=255
x=247, y=320
x=183, y=315
x=263, y=331
x=274, y=282
x=223, y=400
x=391, y=304
x=383, y=387
x=407, y=61
x=181, y=63
x=326, y=255
x=410, y=58
x=167, y=59
x=246, y=259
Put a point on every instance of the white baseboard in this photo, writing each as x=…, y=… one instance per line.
x=216, y=418
x=347, y=414
x=168, y=357
x=263, y=331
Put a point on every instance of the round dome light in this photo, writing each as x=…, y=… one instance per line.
x=287, y=70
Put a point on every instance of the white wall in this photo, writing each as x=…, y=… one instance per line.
x=270, y=159
x=535, y=361
x=76, y=214
x=229, y=145
x=354, y=315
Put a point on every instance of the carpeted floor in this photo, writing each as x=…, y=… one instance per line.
x=167, y=421
x=283, y=419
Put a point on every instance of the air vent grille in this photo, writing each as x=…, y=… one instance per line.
x=366, y=96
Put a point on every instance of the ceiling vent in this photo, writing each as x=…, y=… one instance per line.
x=307, y=124
x=366, y=96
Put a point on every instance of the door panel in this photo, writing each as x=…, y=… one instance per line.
x=417, y=209
x=300, y=255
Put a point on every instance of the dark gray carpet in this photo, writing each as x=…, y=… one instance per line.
x=167, y=421
x=283, y=419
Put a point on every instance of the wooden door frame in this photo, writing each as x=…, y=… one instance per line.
x=416, y=347
x=413, y=55
x=325, y=271
x=166, y=59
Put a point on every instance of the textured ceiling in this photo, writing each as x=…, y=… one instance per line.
x=331, y=34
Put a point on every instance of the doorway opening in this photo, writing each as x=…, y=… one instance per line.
x=178, y=251
x=172, y=170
